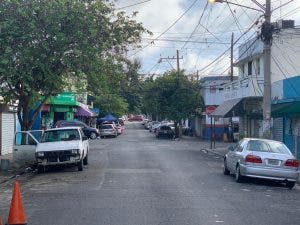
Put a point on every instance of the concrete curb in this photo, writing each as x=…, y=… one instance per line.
x=212, y=151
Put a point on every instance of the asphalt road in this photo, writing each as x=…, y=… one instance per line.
x=136, y=179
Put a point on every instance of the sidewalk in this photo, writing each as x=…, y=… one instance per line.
x=11, y=172
x=219, y=148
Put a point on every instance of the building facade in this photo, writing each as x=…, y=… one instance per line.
x=285, y=80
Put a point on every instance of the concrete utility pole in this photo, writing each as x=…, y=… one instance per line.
x=178, y=66
x=231, y=58
x=267, y=39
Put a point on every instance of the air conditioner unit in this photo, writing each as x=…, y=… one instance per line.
x=284, y=24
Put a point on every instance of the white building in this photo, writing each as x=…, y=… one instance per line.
x=212, y=91
x=243, y=97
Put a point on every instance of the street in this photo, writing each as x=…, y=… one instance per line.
x=136, y=179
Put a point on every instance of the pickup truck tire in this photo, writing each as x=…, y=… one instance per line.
x=40, y=169
x=80, y=165
x=85, y=160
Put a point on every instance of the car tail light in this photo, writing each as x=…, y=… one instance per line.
x=253, y=159
x=292, y=163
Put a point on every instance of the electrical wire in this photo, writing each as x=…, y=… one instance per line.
x=165, y=31
x=197, y=26
x=283, y=73
x=217, y=58
x=128, y=6
x=284, y=4
x=186, y=41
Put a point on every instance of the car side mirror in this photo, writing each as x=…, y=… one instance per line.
x=231, y=148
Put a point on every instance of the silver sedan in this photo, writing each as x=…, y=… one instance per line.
x=261, y=158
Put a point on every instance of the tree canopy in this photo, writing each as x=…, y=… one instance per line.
x=46, y=44
x=172, y=96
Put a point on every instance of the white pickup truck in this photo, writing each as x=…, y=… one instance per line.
x=57, y=146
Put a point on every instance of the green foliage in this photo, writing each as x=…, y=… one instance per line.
x=172, y=96
x=46, y=44
x=132, y=87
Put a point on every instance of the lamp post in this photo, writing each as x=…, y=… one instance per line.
x=266, y=34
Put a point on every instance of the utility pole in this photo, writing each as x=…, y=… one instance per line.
x=231, y=58
x=267, y=39
x=173, y=58
x=178, y=66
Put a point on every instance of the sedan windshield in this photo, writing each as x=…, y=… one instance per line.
x=61, y=135
x=267, y=146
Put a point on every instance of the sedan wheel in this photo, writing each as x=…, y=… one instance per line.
x=93, y=135
x=225, y=169
x=290, y=184
x=238, y=176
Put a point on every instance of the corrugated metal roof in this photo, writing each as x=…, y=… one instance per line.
x=224, y=109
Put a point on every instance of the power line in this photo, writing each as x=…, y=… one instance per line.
x=174, y=40
x=173, y=24
x=196, y=27
x=281, y=70
x=124, y=7
x=284, y=4
x=217, y=58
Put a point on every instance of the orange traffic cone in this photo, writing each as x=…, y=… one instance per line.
x=16, y=213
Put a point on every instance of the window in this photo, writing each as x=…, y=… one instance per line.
x=250, y=68
x=61, y=135
x=257, y=66
x=267, y=146
x=243, y=70
x=22, y=138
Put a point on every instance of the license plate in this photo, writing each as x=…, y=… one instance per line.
x=274, y=162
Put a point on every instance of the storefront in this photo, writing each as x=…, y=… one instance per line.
x=61, y=107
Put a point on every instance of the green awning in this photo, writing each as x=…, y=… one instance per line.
x=65, y=98
x=287, y=108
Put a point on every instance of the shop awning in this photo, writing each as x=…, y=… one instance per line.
x=66, y=98
x=286, y=108
x=83, y=110
x=224, y=110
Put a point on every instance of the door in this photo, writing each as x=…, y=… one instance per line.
x=58, y=116
x=24, y=148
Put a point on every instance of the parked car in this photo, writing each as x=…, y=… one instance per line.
x=261, y=158
x=67, y=145
x=154, y=126
x=138, y=118
x=108, y=130
x=120, y=129
x=144, y=121
x=90, y=132
x=165, y=131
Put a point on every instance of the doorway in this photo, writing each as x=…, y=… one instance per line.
x=58, y=116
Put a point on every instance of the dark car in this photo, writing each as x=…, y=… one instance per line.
x=90, y=132
x=165, y=131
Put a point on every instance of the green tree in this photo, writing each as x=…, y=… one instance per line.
x=45, y=44
x=172, y=96
x=132, y=86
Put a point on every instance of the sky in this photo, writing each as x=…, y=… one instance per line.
x=199, y=30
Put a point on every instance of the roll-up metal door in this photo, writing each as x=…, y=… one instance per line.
x=278, y=129
x=7, y=132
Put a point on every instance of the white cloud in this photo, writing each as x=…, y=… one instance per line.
x=158, y=15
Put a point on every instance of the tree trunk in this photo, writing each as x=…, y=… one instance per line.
x=23, y=112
